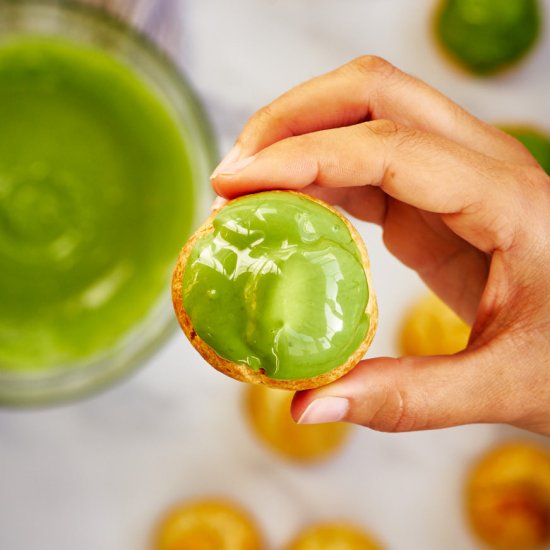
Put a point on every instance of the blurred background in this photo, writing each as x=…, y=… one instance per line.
x=99, y=473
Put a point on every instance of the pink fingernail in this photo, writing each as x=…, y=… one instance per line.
x=232, y=162
x=325, y=409
x=218, y=203
x=231, y=168
x=230, y=158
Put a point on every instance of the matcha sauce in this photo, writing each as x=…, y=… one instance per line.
x=278, y=285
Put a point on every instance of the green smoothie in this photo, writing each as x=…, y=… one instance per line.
x=278, y=285
x=95, y=200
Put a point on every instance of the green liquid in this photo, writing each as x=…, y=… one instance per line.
x=95, y=198
x=488, y=35
x=278, y=285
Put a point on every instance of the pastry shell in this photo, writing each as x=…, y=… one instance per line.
x=242, y=372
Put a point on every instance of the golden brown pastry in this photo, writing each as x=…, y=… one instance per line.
x=275, y=288
x=268, y=412
x=334, y=536
x=209, y=524
x=508, y=497
x=431, y=327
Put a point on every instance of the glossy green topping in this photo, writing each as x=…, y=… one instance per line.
x=487, y=35
x=279, y=285
x=537, y=142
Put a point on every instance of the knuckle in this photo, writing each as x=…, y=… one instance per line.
x=396, y=412
x=263, y=114
x=265, y=117
x=371, y=64
x=526, y=191
x=499, y=231
x=523, y=154
x=532, y=180
x=384, y=128
x=268, y=118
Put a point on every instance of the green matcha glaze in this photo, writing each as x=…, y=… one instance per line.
x=278, y=285
x=95, y=196
x=488, y=35
x=536, y=141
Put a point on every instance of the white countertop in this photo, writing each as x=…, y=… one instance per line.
x=96, y=475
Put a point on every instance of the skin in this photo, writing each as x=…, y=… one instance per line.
x=459, y=201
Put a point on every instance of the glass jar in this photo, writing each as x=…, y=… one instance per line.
x=88, y=26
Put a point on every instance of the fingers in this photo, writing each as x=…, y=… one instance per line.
x=365, y=203
x=407, y=394
x=472, y=191
x=451, y=267
x=370, y=88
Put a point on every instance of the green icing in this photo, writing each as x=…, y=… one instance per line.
x=487, y=35
x=537, y=142
x=278, y=285
x=95, y=196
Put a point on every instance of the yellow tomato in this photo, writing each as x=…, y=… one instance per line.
x=508, y=497
x=207, y=525
x=268, y=411
x=432, y=328
x=334, y=536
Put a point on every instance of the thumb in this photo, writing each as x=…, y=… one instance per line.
x=410, y=393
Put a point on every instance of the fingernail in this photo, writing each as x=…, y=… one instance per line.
x=232, y=162
x=218, y=203
x=232, y=168
x=325, y=409
x=230, y=158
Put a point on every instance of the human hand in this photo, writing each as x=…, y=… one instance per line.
x=459, y=201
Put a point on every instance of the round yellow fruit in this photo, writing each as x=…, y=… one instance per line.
x=334, y=536
x=268, y=411
x=431, y=327
x=208, y=525
x=508, y=497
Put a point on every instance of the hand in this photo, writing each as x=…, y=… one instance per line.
x=459, y=201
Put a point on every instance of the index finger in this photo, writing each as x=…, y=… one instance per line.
x=370, y=88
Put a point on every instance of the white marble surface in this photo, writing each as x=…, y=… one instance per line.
x=96, y=475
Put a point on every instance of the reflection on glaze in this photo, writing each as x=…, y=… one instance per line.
x=278, y=285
